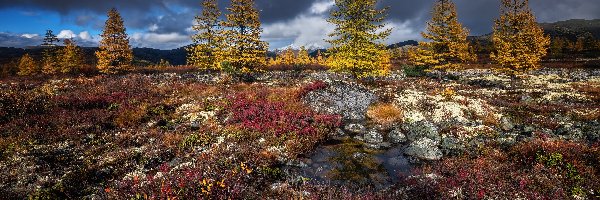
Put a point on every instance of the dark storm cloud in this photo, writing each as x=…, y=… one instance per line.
x=477, y=15
x=286, y=20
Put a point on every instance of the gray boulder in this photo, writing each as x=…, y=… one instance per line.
x=373, y=137
x=424, y=149
x=396, y=136
x=349, y=100
x=356, y=128
x=421, y=129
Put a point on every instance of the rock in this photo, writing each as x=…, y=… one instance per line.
x=506, y=124
x=373, y=137
x=421, y=129
x=349, y=100
x=356, y=128
x=396, y=136
x=452, y=146
x=339, y=134
x=424, y=149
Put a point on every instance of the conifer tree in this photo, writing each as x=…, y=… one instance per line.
x=447, y=47
x=49, y=39
x=27, y=66
x=51, y=60
x=286, y=57
x=557, y=46
x=115, y=54
x=518, y=40
x=356, y=43
x=245, y=51
x=320, y=60
x=71, y=57
x=207, y=51
x=303, y=58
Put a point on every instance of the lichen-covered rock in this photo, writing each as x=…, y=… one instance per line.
x=421, y=129
x=373, y=137
x=356, y=128
x=397, y=136
x=452, y=146
x=424, y=149
x=349, y=100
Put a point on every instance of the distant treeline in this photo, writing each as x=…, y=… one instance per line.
x=142, y=56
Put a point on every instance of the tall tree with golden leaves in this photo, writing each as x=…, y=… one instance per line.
x=303, y=58
x=447, y=47
x=115, y=54
x=207, y=51
x=71, y=57
x=245, y=50
x=519, y=41
x=286, y=57
x=27, y=66
x=356, y=43
x=51, y=60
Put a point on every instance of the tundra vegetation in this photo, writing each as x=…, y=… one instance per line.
x=357, y=121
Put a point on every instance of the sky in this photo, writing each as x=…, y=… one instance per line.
x=166, y=24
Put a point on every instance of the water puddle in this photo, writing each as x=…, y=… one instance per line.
x=348, y=161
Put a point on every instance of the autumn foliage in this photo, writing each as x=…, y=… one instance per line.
x=356, y=42
x=207, y=51
x=447, y=47
x=519, y=42
x=244, y=50
x=115, y=54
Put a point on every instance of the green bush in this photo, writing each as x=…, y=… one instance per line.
x=414, y=71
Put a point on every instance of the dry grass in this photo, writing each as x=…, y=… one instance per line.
x=385, y=114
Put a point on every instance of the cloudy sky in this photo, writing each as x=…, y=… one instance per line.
x=165, y=24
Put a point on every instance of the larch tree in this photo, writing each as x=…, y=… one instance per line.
x=207, y=51
x=245, y=50
x=71, y=57
x=115, y=54
x=447, y=47
x=357, y=41
x=50, y=56
x=519, y=41
x=286, y=57
x=27, y=66
x=303, y=58
x=50, y=39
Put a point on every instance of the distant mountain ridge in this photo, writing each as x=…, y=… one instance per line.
x=573, y=28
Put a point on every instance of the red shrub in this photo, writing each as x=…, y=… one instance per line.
x=533, y=170
x=317, y=85
x=261, y=115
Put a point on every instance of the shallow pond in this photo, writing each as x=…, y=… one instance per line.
x=348, y=161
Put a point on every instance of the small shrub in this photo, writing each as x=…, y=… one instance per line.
x=415, y=71
x=317, y=85
x=448, y=93
x=384, y=114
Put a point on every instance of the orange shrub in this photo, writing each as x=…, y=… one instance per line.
x=384, y=114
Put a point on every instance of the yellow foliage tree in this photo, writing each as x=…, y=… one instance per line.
x=303, y=58
x=27, y=66
x=356, y=45
x=51, y=60
x=71, y=57
x=244, y=50
x=287, y=57
x=447, y=48
x=320, y=60
x=519, y=42
x=207, y=51
x=115, y=54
